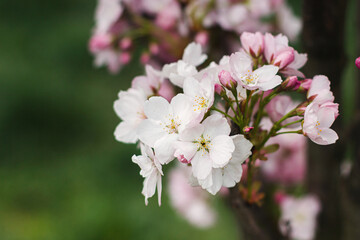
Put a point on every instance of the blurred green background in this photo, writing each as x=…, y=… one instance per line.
x=63, y=175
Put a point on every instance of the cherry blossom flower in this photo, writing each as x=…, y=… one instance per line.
x=151, y=170
x=207, y=146
x=231, y=173
x=277, y=51
x=263, y=78
x=164, y=123
x=130, y=108
x=320, y=86
x=153, y=84
x=298, y=217
x=177, y=72
x=253, y=43
x=190, y=202
x=107, y=13
x=201, y=93
x=317, y=122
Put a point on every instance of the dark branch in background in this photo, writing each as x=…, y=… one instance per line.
x=323, y=40
x=254, y=222
x=351, y=184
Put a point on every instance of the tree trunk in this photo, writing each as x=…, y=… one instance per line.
x=351, y=184
x=323, y=38
x=254, y=222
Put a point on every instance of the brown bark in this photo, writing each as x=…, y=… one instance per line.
x=254, y=222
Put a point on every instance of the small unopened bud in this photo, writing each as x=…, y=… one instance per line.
x=145, y=58
x=291, y=83
x=247, y=129
x=226, y=80
x=357, y=62
x=125, y=43
x=300, y=110
x=99, y=42
x=284, y=57
x=279, y=197
x=202, y=38
x=125, y=57
x=305, y=84
x=218, y=88
x=154, y=48
x=311, y=98
x=182, y=159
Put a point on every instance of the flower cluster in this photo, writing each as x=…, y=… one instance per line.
x=166, y=26
x=215, y=119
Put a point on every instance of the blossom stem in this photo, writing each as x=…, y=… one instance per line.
x=249, y=179
x=238, y=112
x=291, y=123
x=246, y=112
x=260, y=112
x=226, y=115
x=299, y=132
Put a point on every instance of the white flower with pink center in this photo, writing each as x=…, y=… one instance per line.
x=318, y=120
x=164, y=123
x=151, y=170
x=263, y=78
x=207, y=146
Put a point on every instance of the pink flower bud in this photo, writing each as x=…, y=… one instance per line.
x=253, y=43
x=300, y=110
x=284, y=57
x=202, y=38
x=279, y=197
x=247, y=129
x=226, y=80
x=125, y=43
x=357, y=62
x=218, y=88
x=145, y=58
x=305, y=84
x=154, y=48
x=276, y=3
x=291, y=83
x=99, y=42
x=125, y=57
x=182, y=159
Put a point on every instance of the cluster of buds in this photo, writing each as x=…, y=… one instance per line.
x=166, y=27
